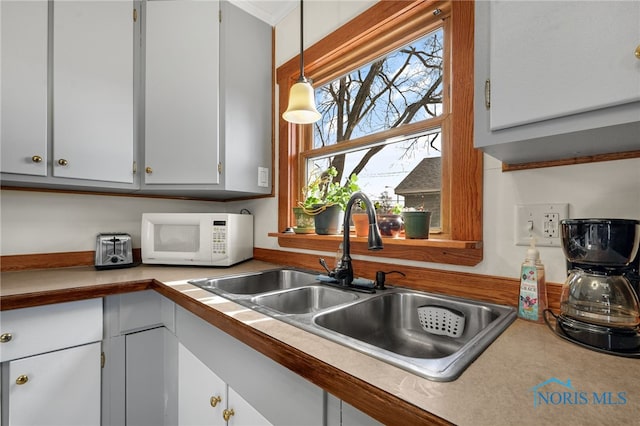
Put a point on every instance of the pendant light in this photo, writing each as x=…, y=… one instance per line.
x=302, y=101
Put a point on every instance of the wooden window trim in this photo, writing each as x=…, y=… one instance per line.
x=395, y=23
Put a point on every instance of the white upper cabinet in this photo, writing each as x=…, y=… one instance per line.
x=181, y=92
x=67, y=94
x=556, y=80
x=23, y=120
x=177, y=101
x=561, y=58
x=93, y=90
x=245, y=91
x=208, y=82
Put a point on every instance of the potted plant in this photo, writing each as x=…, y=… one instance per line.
x=360, y=219
x=304, y=222
x=326, y=200
x=416, y=223
x=389, y=217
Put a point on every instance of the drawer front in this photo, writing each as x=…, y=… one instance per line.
x=30, y=331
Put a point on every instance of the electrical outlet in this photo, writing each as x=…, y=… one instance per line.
x=551, y=225
x=541, y=221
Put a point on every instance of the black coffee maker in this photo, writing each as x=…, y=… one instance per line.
x=599, y=304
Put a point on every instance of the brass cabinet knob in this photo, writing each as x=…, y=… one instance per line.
x=215, y=400
x=148, y=170
x=227, y=414
x=5, y=337
x=63, y=162
x=22, y=379
x=637, y=52
x=36, y=159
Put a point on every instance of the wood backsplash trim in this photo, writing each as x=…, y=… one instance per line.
x=569, y=161
x=488, y=288
x=25, y=262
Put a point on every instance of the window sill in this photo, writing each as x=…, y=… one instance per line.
x=434, y=250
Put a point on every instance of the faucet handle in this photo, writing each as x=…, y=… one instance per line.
x=324, y=265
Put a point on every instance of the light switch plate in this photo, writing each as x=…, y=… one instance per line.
x=263, y=177
x=541, y=221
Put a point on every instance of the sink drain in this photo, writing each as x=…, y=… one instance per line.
x=441, y=320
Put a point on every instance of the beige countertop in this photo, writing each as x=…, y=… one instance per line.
x=498, y=388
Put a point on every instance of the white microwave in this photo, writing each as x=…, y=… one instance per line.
x=206, y=239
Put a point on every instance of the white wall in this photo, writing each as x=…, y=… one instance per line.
x=33, y=222
x=46, y=222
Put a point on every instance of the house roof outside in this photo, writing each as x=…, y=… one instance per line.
x=425, y=177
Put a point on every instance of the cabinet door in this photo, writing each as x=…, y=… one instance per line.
x=545, y=103
x=245, y=93
x=181, y=92
x=23, y=122
x=341, y=413
x=150, y=377
x=553, y=59
x=279, y=395
x=242, y=413
x=57, y=388
x=93, y=90
x=202, y=396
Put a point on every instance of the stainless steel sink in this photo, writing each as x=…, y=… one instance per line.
x=304, y=300
x=260, y=282
x=384, y=325
x=390, y=322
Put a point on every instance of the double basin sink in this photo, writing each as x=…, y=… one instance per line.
x=385, y=325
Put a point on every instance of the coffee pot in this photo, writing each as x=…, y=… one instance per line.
x=599, y=303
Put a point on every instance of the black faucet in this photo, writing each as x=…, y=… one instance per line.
x=343, y=273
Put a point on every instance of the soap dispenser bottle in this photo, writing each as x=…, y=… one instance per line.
x=533, y=290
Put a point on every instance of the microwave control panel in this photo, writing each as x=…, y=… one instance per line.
x=219, y=237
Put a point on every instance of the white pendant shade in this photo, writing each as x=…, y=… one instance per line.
x=302, y=104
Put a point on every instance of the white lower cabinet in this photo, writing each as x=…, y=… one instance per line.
x=280, y=396
x=205, y=399
x=166, y=366
x=56, y=388
x=151, y=376
x=343, y=414
x=140, y=369
x=51, y=364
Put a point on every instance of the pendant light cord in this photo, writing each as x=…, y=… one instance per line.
x=302, y=77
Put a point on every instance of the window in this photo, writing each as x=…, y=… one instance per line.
x=443, y=125
x=363, y=113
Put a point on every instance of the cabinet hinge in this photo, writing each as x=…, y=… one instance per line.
x=220, y=15
x=102, y=359
x=487, y=93
x=134, y=167
x=135, y=15
x=219, y=167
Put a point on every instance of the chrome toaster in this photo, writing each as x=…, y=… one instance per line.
x=113, y=250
